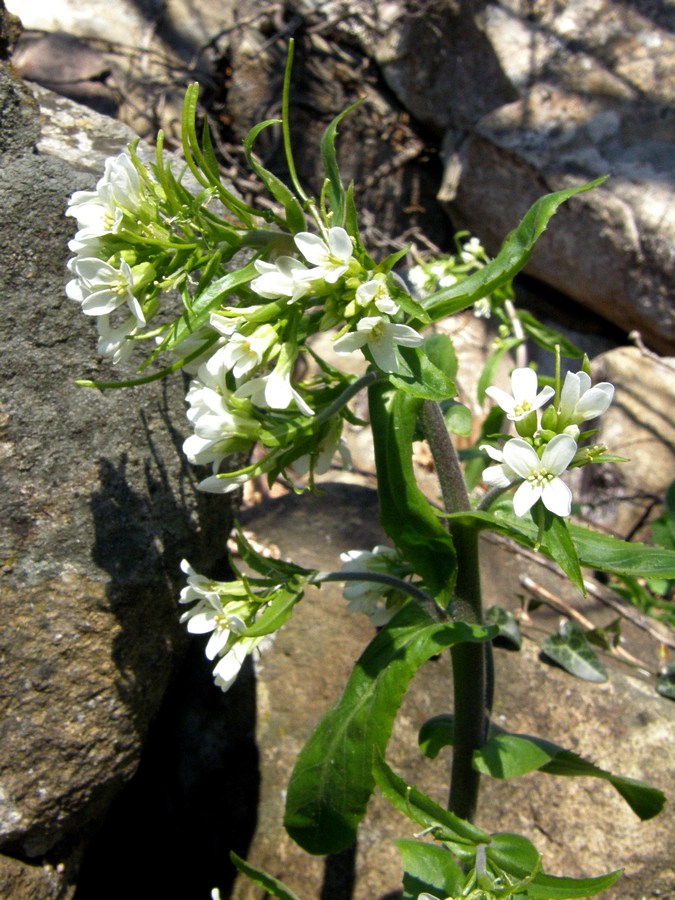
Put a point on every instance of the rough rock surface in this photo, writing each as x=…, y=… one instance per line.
x=624, y=497
x=579, y=825
x=96, y=509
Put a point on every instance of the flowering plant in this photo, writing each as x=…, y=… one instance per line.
x=234, y=295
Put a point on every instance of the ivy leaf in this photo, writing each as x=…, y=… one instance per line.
x=271, y=885
x=333, y=778
x=665, y=683
x=570, y=649
x=428, y=867
x=509, y=630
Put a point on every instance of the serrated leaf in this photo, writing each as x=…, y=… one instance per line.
x=515, y=252
x=428, y=867
x=272, y=885
x=506, y=622
x=570, y=650
x=405, y=513
x=333, y=779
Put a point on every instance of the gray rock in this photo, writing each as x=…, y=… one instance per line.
x=96, y=510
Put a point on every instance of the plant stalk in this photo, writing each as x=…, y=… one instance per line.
x=469, y=661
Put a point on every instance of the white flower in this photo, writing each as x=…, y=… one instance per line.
x=223, y=484
x=579, y=401
x=381, y=337
x=227, y=669
x=369, y=597
x=331, y=258
x=101, y=288
x=472, y=251
x=222, y=425
x=219, y=617
x=100, y=212
x=525, y=398
x=275, y=390
x=244, y=353
x=280, y=279
x=375, y=291
x=497, y=476
x=331, y=443
x=113, y=340
x=541, y=475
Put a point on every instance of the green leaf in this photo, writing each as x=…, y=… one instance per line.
x=665, y=683
x=335, y=191
x=458, y=418
x=421, y=378
x=487, y=376
x=551, y=887
x=405, y=513
x=272, y=886
x=428, y=867
x=512, y=853
x=437, y=733
x=422, y=810
x=570, y=649
x=441, y=352
x=279, y=609
x=547, y=338
x=515, y=252
x=332, y=779
x=206, y=303
x=558, y=545
x=295, y=217
x=505, y=621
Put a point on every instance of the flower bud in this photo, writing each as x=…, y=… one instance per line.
x=526, y=427
x=549, y=419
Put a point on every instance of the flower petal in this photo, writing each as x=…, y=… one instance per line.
x=525, y=498
x=557, y=497
x=558, y=453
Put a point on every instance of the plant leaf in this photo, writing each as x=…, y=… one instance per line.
x=665, y=683
x=428, y=867
x=505, y=621
x=570, y=649
x=423, y=379
x=515, y=252
x=295, y=217
x=332, y=779
x=558, y=545
x=335, y=191
x=272, y=885
x=405, y=513
x=510, y=755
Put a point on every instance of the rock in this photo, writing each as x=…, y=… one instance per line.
x=97, y=508
x=580, y=826
x=624, y=497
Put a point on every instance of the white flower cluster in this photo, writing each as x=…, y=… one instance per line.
x=540, y=456
x=223, y=610
x=252, y=370
x=445, y=271
x=110, y=283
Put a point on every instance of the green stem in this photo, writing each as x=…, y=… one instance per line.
x=468, y=660
x=423, y=599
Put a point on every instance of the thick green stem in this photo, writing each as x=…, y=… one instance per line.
x=468, y=660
